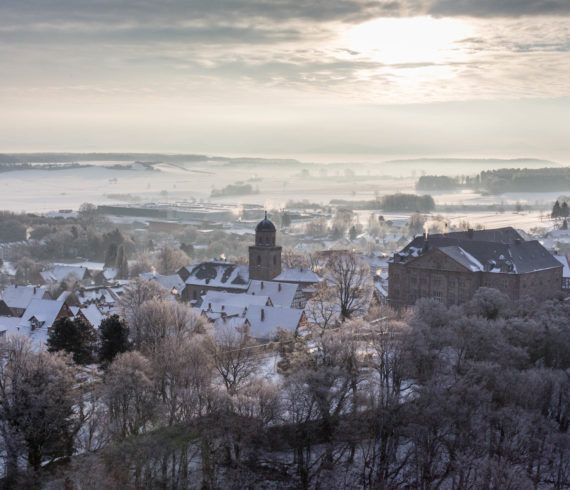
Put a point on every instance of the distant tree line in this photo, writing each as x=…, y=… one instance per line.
x=525, y=180
x=234, y=190
x=391, y=202
x=437, y=183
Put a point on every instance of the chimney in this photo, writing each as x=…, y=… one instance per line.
x=262, y=314
x=470, y=233
x=223, y=307
x=261, y=284
x=34, y=289
x=209, y=306
x=279, y=287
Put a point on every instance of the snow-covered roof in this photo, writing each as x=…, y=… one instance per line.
x=110, y=273
x=20, y=296
x=281, y=293
x=236, y=322
x=216, y=300
x=97, y=295
x=170, y=282
x=9, y=324
x=60, y=272
x=38, y=317
x=518, y=256
x=298, y=276
x=264, y=325
x=93, y=315
x=564, y=261
x=463, y=257
x=219, y=274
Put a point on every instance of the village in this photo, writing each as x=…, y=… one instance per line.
x=308, y=337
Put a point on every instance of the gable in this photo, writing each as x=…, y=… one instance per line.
x=435, y=259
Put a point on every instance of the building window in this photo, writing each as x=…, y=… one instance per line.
x=437, y=296
x=274, y=260
x=436, y=280
x=259, y=260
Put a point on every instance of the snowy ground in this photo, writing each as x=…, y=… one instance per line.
x=45, y=190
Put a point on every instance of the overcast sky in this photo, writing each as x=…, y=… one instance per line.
x=287, y=77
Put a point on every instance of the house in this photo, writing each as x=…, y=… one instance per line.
x=69, y=298
x=219, y=300
x=284, y=294
x=91, y=314
x=263, y=321
x=172, y=282
x=17, y=298
x=98, y=295
x=39, y=316
x=305, y=278
x=450, y=268
x=63, y=272
x=213, y=276
x=565, y=272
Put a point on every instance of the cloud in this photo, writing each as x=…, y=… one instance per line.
x=498, y=8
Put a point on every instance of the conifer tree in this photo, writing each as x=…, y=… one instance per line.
x=74, y=336
x=114, y=338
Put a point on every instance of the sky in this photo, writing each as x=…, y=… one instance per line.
x=345, y=78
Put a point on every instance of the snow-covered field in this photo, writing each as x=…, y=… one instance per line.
x=52, y=190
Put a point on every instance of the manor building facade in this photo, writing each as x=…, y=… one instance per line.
x=450, y=268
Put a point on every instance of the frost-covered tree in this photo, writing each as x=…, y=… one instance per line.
x=129, y=394
x=158, y=319
x=169, y=260
x=37, y=399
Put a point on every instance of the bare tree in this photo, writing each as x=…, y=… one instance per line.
x=294, y=260
x=349, y=278
x=169, y=260
x=322, y=310
x=233, y=356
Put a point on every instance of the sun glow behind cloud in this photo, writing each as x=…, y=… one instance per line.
x=409, y=40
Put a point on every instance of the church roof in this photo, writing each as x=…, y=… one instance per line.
x=265, y=225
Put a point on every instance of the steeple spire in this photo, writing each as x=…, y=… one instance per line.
x=266, y=214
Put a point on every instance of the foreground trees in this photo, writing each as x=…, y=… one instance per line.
x=37, y=400
x=472, y=396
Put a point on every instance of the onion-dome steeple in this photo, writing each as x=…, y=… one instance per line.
x=265, y=225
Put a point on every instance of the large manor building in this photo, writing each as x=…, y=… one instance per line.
x=450, y=268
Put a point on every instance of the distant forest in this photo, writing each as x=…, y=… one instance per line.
x=502, y=180
x=391, y=202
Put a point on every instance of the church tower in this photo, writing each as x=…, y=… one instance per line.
x=264, y=256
